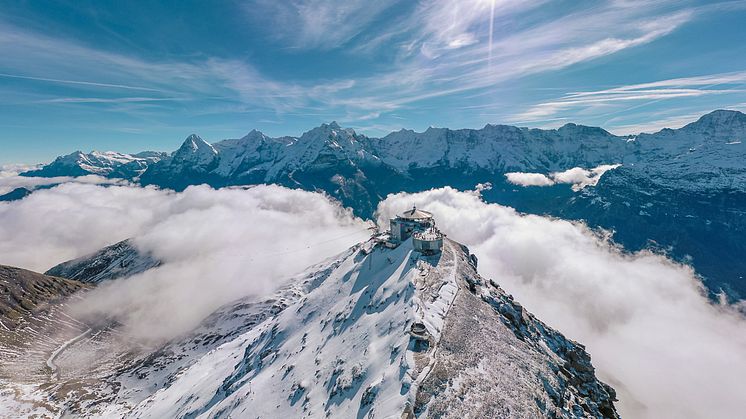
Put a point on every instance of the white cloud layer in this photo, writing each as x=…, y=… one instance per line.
x=529, y=179
x=8, y=170
x=578, y=177
x=216, y=245
x=9, y=180
x=652, y=333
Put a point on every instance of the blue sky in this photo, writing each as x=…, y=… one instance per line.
x=129, y=76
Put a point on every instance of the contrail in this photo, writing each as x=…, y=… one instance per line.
x=85, y=83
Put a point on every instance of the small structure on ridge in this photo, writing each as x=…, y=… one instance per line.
x=420, y=225
x=428, y=242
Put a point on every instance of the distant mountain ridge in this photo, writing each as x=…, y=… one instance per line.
x=108, y=164
x=715, y=140
x=680, y=190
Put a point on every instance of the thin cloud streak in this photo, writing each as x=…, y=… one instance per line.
x=83, y=83
x=444, y=51
x=715, y=84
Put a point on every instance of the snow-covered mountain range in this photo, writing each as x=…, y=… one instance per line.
x=682, y=191
x=107, y=164
x=711, y=148
x=373, y=332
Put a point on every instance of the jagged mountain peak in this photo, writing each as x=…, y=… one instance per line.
x=195, y=142
x=494, y=149
x=102, y=163
x=118, y=260
x=195, y=151
x=254, y=134
x=724, y=114
x=325, y=130
x=75, y=156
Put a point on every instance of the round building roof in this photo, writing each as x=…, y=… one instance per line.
x=415, y=214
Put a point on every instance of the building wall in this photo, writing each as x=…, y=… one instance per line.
x=400, y=230
x=425, y=246
x=397, y=230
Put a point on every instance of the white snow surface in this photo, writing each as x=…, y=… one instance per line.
x=102, y=163
x=317, y=357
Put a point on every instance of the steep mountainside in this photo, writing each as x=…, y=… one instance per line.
x=374, y=332
x=686, y=186
x=116, y=261
x=15, y=194
x=24, y=292
x=33, y=325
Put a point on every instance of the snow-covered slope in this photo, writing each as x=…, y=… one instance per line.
x=116, y=261
x=706, y=155
x=107, y=164
x=335, y=342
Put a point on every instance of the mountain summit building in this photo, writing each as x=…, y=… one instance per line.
x=420, y=225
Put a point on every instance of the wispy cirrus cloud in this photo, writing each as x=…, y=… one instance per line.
x=447, y=55
x=108, y=100
x=625, y=98
x=316, y=24
x=663, y=89
x=443, y=51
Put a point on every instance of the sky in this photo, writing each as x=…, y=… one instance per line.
x=132, y=76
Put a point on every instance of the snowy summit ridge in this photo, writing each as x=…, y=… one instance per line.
x=339, y=341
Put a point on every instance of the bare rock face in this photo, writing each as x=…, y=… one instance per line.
x=495, y=359
x=32, y=324
x=23, y=292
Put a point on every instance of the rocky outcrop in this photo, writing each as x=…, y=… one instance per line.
x=495, y=359
x=23, y=292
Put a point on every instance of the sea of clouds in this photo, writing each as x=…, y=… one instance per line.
x=651, y=331
x=216, y=245
x=10, y=179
